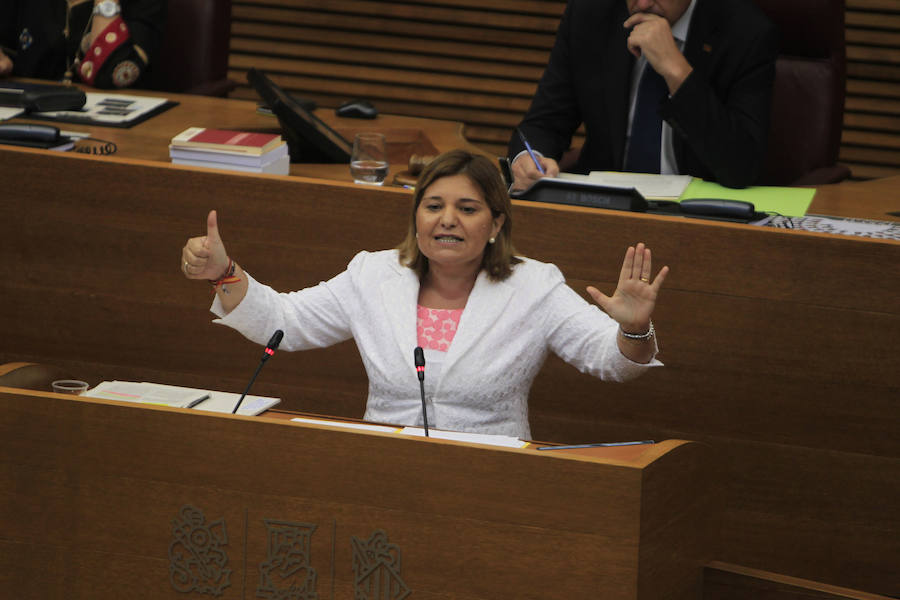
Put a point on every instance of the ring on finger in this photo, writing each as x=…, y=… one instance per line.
x=645, y=279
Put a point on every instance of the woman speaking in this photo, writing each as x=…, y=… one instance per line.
x=454, y=286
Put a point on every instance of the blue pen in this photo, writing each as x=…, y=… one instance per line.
x=598, y=445
x=531, y=152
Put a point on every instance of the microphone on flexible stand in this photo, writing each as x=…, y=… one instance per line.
x=271, y=347
x=419, y=357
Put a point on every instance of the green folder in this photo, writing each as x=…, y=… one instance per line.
x=786, y=201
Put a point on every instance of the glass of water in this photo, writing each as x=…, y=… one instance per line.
x=69, y=386
x=369, y=161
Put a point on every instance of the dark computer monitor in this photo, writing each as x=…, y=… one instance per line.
x=309, y=139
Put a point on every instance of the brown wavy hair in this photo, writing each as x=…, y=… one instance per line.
x=499, y=257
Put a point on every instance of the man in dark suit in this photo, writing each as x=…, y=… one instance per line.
x=713, y=62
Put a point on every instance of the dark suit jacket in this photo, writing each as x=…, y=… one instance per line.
x=719, y=115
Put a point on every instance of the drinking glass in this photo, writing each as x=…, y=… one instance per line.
x=369, y=161
x=69, y=386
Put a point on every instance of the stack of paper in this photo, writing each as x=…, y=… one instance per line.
x=180, y=397
x=656, y=187
x=231, y=150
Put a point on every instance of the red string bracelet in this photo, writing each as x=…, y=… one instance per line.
x=226, y=278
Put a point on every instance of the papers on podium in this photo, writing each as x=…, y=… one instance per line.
x=180, y=397
x=472, y=438
x=458, y=436
x=110, y=110
x=651, y=186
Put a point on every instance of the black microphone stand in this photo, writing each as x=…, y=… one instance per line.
x=419, y=358
x=271, y=347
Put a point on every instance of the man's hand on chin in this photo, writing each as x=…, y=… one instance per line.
x=651, y=37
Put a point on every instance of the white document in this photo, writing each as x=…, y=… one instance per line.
x=8, y=112
x=473, y=438
x=668, y=187
x=346, y=425
x=108, y=108
x=224, y=402
x=147, y=393
x=180, y=397
x=279, y=166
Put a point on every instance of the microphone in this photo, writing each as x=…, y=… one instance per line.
x=419, y=358
x=271, y=347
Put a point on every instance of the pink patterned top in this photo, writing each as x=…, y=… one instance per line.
x=435, y=327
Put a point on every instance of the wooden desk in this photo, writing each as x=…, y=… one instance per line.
x=96, y=494
x=877, y=199
x=780, y=346
x=150, y=140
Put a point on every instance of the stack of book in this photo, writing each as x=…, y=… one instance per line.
x=232, y=150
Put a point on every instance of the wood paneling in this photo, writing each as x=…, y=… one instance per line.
x=479, y=63
x=871, y=134
x=92, y=494
x=475, y=62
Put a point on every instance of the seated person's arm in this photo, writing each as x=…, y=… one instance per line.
x=8, y=36
x=730, y=137
x=6, y=64
x=724, y=124
x=123, y=46
x=552, y=118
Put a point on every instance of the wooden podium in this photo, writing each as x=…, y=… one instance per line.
x=110, y=500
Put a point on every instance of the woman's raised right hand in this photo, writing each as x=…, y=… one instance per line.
x=205, y=257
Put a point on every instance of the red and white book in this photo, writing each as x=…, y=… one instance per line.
x=242, y=142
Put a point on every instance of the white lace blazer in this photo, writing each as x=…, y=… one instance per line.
x=504, y=335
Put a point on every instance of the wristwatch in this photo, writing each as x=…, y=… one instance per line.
x=107, y=8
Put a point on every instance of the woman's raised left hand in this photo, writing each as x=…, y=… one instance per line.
x=635, y=297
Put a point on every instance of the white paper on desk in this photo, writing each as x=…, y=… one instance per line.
x=97, y=109
x=180, y=397
x=649, y=185
x=224, y=402
x=146, y=393
x=346, y=425
x=474, y=438
x=9, y=112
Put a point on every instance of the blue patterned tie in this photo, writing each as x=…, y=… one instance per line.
x=646, y=126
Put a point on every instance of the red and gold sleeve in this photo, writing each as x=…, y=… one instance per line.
x=113, y=60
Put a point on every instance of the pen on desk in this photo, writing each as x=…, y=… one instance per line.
x=197, y=401
x=531, y=152
x=598, y=445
